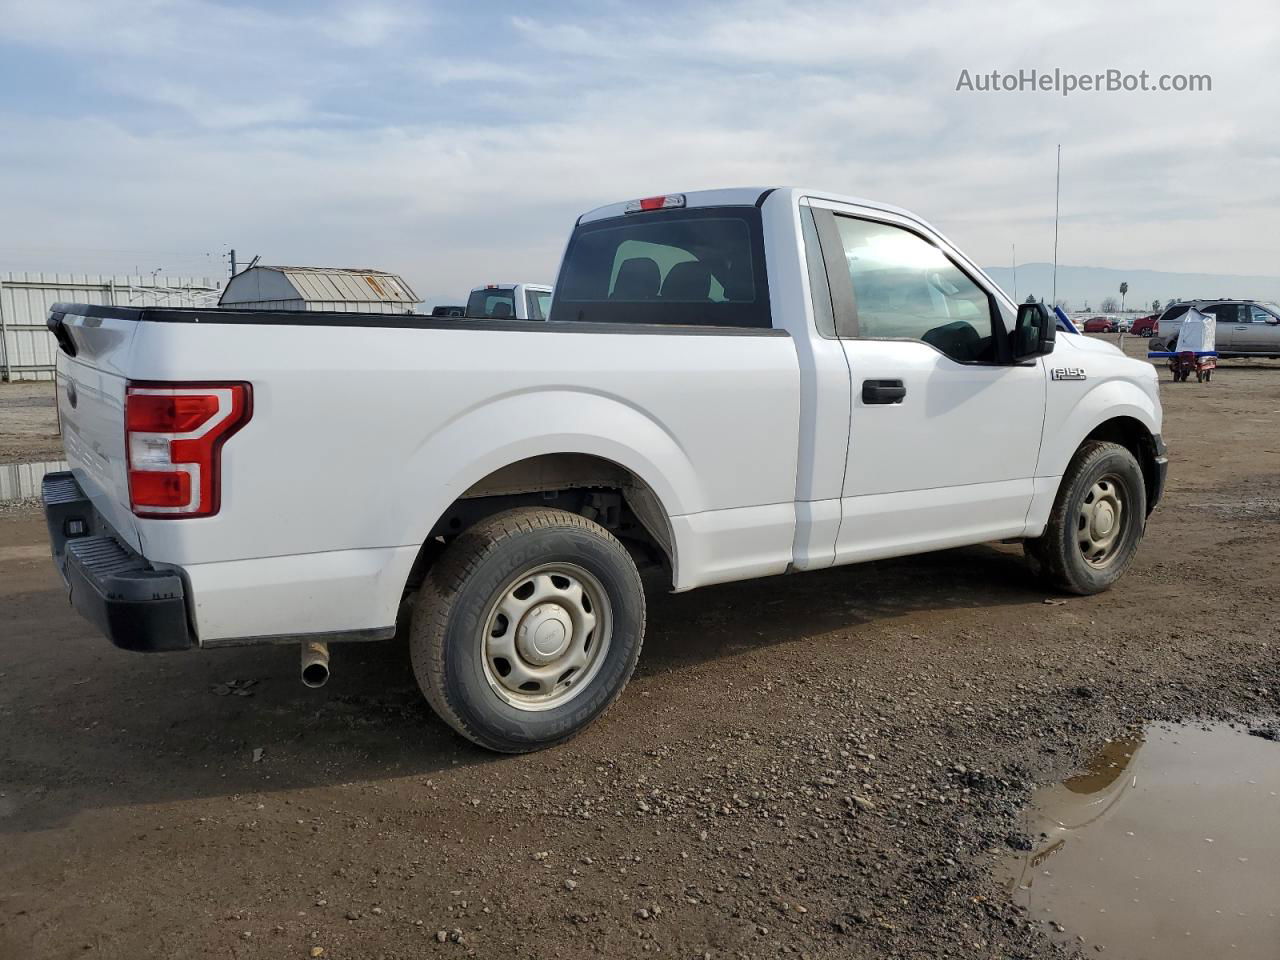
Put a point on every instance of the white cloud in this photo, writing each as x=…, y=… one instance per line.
x=459, y=148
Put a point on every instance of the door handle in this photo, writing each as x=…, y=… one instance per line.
x=883, y=391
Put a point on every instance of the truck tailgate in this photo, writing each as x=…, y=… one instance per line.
x=91, y=394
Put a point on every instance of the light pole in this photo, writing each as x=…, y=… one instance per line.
x=1057, y=190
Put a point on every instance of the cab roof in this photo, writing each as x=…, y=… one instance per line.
x=750, y=196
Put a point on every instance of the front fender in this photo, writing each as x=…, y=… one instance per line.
x=1069, y=419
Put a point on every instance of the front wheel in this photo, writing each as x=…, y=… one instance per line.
x=1097, y=522
x=527, y=628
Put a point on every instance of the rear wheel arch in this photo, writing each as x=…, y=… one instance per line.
x=599, y=489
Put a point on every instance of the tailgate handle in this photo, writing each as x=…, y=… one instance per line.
x=60, y=333
x=883, y=391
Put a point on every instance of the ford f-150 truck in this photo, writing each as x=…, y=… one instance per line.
x=731, y=384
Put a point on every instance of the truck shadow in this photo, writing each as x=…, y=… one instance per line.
x=720, y=621
x=88, y=727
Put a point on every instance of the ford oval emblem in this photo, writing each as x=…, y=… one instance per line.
x=72, y=397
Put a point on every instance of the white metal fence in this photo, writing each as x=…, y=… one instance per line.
x=21, y=481
x=27, y=348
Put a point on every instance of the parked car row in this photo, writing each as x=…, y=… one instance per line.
x=1106, y=324
x=1244, y=328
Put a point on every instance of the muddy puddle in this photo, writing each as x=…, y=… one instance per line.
x=21, y=481
x=1166, y=848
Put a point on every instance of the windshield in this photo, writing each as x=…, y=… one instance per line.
x=495, y=303
x=702, y=267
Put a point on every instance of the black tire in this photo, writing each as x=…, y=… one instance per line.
x=1057, y=556
x=455, y=605
x=1157, y=345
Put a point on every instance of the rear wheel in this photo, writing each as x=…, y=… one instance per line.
x=527, y=628
x=1097, y=521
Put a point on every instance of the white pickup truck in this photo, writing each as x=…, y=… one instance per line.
x=731, y=384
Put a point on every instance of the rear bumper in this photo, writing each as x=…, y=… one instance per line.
x=135, y=605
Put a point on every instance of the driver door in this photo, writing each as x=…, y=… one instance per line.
x=944, y=434
x=1261, y=332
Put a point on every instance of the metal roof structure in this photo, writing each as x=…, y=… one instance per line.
x=353, y=289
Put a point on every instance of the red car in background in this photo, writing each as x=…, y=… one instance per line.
x=1145, y=326
x=1099, y=325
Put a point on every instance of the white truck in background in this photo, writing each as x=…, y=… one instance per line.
x=510, y=301
x=730, y=384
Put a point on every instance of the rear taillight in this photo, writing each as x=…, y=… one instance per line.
x=174, y=434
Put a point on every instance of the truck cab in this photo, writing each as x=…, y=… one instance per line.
x=510, y=301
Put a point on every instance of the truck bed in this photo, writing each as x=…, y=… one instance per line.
x=365, y=427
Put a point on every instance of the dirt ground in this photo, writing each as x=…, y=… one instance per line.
x=28, y=422
x=825, y=765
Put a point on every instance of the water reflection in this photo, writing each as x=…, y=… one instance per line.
x=1167, y=846
x=21, y=481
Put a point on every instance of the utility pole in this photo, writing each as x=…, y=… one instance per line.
x=1057, y=190
x=233, y=261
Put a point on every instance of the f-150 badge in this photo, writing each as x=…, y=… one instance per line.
x=1068, y=373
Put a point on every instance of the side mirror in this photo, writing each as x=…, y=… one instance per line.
x=1034, y=333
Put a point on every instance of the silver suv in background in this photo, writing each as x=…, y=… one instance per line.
x=1245, y=328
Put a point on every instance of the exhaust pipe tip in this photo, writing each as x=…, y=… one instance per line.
x=315, y=665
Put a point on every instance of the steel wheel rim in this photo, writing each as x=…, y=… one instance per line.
x=546, y=635
x=1102, y=521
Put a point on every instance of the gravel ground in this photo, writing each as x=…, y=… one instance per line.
x=28, y=422
x=825, y=765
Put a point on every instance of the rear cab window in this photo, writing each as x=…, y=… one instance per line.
x=495, y=303
x=697, y=267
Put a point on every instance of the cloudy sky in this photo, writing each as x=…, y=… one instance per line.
x=456, y=142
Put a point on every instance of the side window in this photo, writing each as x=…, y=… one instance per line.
x=819, y=287
x=1258, y=315
x=1224, y=312
x=906, y=288
x=537, y=302
x=1174, y=313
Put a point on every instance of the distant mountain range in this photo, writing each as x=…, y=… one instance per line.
x=1092, y=285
